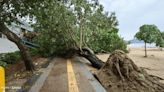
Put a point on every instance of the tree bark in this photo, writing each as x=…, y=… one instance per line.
x=145, y=50
x=94, y=60
x=23, y=49
x=84, y=52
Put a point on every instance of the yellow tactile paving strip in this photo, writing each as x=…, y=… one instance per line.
x=72, y=83
x=2, y=79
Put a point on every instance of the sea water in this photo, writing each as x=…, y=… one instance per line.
x=142, y=45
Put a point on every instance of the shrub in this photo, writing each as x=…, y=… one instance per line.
x=34, y=52
x=3, y=64
x=10, y=58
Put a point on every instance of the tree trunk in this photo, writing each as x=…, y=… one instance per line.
x=81, y=38
x=161, y=49
x=95, y=61
x=86, y=53
x=23, y=49
x=145, y=50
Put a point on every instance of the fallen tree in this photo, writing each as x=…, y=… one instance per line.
x=84, y=52
x=89, y=54
x=120, y=74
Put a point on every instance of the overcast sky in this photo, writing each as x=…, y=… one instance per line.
x=131, y=14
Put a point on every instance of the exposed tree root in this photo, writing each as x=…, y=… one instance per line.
x=120, y=74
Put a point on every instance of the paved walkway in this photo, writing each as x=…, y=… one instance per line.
x=69, y=75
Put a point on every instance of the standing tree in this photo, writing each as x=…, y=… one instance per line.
x=10, y=10
x=160, y=40
x=148, y=33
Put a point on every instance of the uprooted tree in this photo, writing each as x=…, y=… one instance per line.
x=62, y=24
x=120, y=74
x=76, y=24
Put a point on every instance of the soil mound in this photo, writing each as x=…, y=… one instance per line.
x=120, y=74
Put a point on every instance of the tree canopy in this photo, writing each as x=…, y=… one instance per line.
x=76, y=23
x=148, y=33
x=11, y=11
x=160, y=40
x=63, y=24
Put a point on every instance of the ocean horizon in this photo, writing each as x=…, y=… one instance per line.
x=142, y=45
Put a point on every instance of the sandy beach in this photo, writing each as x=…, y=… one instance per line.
x=153, y=64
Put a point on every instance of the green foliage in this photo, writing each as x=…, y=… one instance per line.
x=56, y=24
x=14, y=57
x=50, y=44
x=62, y=27
x=107, y=41
x=148, y=33
x=11, y=9
x=63, y=24
x=160, y=40
x=3, y=64
x=34, y=52
x=10, y=58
